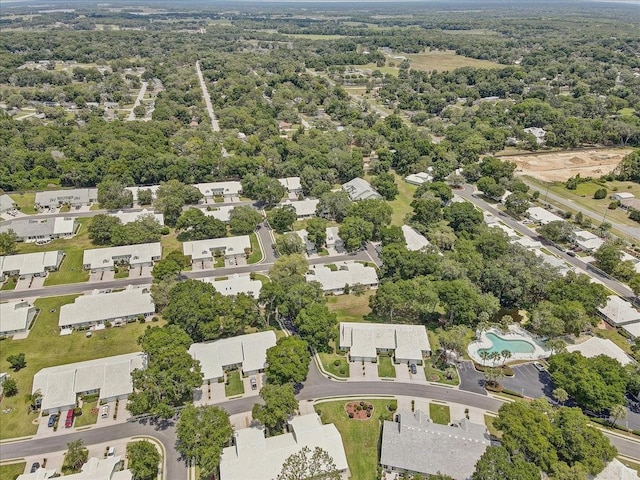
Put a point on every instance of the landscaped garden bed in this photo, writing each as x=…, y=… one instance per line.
x=359, y=410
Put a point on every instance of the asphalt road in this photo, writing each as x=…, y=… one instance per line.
x=468, y=194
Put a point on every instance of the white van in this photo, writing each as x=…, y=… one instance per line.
x=111, y=452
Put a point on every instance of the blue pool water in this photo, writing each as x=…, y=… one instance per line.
x=500, y=344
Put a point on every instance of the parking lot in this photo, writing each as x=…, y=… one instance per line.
x=528, y=381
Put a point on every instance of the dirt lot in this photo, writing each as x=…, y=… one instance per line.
x=560, y=166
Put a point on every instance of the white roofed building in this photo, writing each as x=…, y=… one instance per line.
x=415, y=241
x=292, y=184
x=333, y=239
x=247, y=352
x=304, y=208
x=587, y=241
x=229, y=247
x=229, y=191
x=30, y=264
x=360, y=189
x=347, y=273
x=109, y=468
x=542, y=216
x=255, y=457
x=75, y=197
x=129, y=217
x=364, y=341
x=601, y=346
x=135, y=190
x=141, y=255
x=616, y=470
x=6, y=203
x=41, y=229
x=109, y=376
x=235, y=284
x=419, y=178
x=618, y=312
x=222, y=213
x=622, y=196
x=99, y=307
x=16, y=317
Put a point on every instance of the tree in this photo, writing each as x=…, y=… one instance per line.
x=376, y=212
x=195, y=225
x=143, y=460
x=385, y=184
x=288, y=361
x=317, y=231
x=145, y=229
x=263, y=189
x=287, y=266
x=10, y=387
x=310, y=465
x=161, y=290
x=171, y=374
x=462, y=301
x=560, y=395
x=617, y=413
x=101, y=228
x=77, y=455
x=8, y=241
x=491, y=188
x=463, y=217
x=17, y=362
x=354, y=232
x=279, y=404
x=112, y=195
x=289, y=244
x=600, y=193
x=166, y=269
x=558, y=231
x=171, y=196
x=202, y=434
x=497, y=462
x=145, y=196
x=244, y=219
x=517, y=203
x=281, y=218
x=317, y=325
x=608, y=257
x=334, y=205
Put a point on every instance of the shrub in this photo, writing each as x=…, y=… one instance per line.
x=351, y=415
x=336, y=363
x=77, y=412
x=155, y=319
x=613, y=205
x=600, y=193
x=165, y=231
x=393, y=406
x=140, y=318
x=10, y=387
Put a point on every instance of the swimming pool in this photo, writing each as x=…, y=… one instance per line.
x=499, y=344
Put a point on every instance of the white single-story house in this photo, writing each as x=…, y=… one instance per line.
x=6, y=203
x=309, y=247
x=229, y=247
x=42, y=229
x=247, y=352
x=622, y=196
x=292, y=184
x=109, y=376
x=509, y=232
x=333, y=239
x=109, y=468
x=415, y=241
x=16, y=317
x=537, y=132
x=253, y=456
x=632, y=330
x=304, y=208
x=75, y=197
x=128, y=217
x=419, y=178
x=104, y=259
x=562, y=267
x=416, y=445
x=542, y=216
x=364, y=341
x=227, y=190
x=30, y=264
x=134, y=191
x=504, y=196
x=528, y=242
x=222, y=213
x=99, y=307
x=235, y=284
x=601, y=346
x=616, y=470
x=587, y=241
x=618, y=312
x=347, y=273
x=360, y=189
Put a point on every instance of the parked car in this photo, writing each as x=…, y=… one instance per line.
x=68, y=423
x=35, y=466
x=413, y=368
x=104, y=413
x=52, y=420
x=571, y=253
x=254, y=383
x=539, y=366
x=111, y=452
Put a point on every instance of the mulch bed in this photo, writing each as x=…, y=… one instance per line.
x=359, y=410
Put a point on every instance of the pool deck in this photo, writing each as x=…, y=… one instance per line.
x=514, y=333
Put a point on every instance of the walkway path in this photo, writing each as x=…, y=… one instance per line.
x=143, y=90
x=215, y=126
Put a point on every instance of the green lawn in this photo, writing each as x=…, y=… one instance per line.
x=233, y=386
x=170, y=242
x=218, y=262
x=332, y=267
x=46, y=348
x=70, y=270
x=122, y=272
x=88, y=417
x=439, y=414
x=385, y=367
x=11, y=471
x=78, y=242
x=615, y=337
x=25, y=201
x=9, y=284
x=433, y=374
x=256, y=253
x=488, y=420
x=350, y=308
x=402, y=204
x=335, y=363
x=360, y=437
x=262, y=278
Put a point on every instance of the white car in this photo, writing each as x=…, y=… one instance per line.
x=104, y=413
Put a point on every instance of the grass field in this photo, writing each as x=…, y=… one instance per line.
x=432, y=374
x=88, y=417
x=312, y=36
x=329, y=361
x=170, y=242
x=439, y=414
x=234, y=386
x=350, y=308
x=444, y=61
x=25, y=202
x=70, y=270
x=46, y=348
x=385, y=367
x=9, y=284
x=12, y=471
x=256, y=253
x=360, y=437
x=488, y=421
x=402, y=204
x=615, y=337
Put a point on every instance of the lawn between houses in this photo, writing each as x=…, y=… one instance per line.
x=361, y=438
x=46, y=348
x=11, y=471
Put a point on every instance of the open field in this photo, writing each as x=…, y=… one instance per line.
x=45, y=348
x=402, y=204
x=313, y=36
x=70, y=270
x=439, y=414
x=444, y=61
x=562, y=165
x=329, y=361
x=79, y=242
x=11, y=471
x=350, y=308
x=25, y=201
x=360, y=437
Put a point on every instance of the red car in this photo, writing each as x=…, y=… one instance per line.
x=68, y=423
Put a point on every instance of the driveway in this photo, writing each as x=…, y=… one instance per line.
x=356, y=372
x=470, y=379
x=528, y=381
x=404, y=375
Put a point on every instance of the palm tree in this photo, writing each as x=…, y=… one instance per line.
x=495, y=357
x=33, y=399
x=617, y=412
x=556, y=345
x=482, y=327
x=506, y=355
x=484, y=355
x=560, y=395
